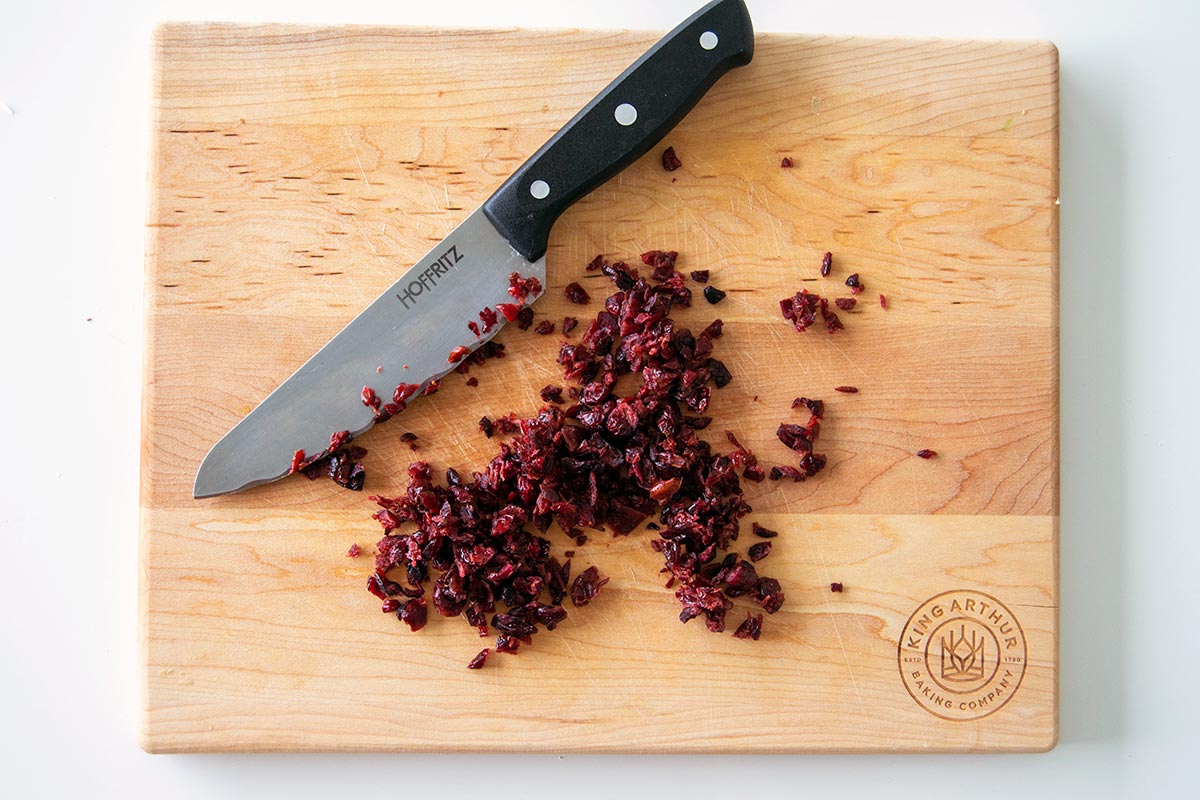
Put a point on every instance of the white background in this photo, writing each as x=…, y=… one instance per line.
x=72, y=200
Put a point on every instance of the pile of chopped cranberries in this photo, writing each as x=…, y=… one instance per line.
x=607, y=460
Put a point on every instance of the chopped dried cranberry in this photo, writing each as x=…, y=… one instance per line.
x=369, y=398
x=355, y=551
x=487, y=427
x=846, y=389
x=751, y=628
x=835, y=587
x=815, y=407
x=390, y=606
x=586, y=586
x=410, y=439
x=404, y=391
x=297, y=462
x=826, y=264
x=525, y=318
x=700, y=275
x=596, y=263
x=414, y=613
x=927, y=453
x=713, y=295
x=845, y=303
x=670, y=161
x=473, y=327
x=432, y=388
x=883, y=302
x=758, y=552
x=552, y=394
x=568, y=325
x=489, y=319
x=662, y=262
x=544, y=327
x=521, y=288
x=457, y=354
x=577, y=294
x=509, y=310
x=478, y=661
x=761, y=532
x=472, y=381
x=786, y=162
x=855, y=284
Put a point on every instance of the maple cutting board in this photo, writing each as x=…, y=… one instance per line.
x=297, y=171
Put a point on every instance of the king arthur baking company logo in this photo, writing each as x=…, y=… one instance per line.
x=962, y=655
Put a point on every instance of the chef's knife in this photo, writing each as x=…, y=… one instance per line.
x=408, y=333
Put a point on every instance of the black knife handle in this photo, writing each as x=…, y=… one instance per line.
x=622, y=123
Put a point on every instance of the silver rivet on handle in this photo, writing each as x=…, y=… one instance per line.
x=625, y=114
x=708, y=40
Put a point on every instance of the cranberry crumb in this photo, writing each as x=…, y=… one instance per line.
x=552, y=394
x=855, y=284
x=758, y=552
x=390, y=606
x=835, y=587
x=660, y=259
x=577, y=294
x=751, y=628
x=670, y=161
x=472, y=381
x=414, y=614
x=354, y=552
x=544, y=327
x=457, y=354
x=761, y=532
x=521, y=288
x=815, y=407
x=786, y=162
x=846, y=389
x=586, y=586
x=432, y=388
x=568, y=325
x=478, y=661
x=700, y=275
x=713, y=295
x=826, y=264
x=473, y=327
x=410, y=439
x=525, y=318
x=487, y=427
x=845, y=303
x=927, y=453
x=509, y=310
x=883, y=302
x=595, y=264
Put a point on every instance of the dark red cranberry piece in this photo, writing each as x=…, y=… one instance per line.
x=577, y=294
x=414, y=613
x=758, y=552
x=786, y=163
x=297, y=462
x=489, y=319
x=487, y=427
x=826, y=264
x=525, y=318
x=457, y=354
x=761, y=532
x=815, y=407
x=845, y=303
x=846, y=389
x=390, y=606
x=355, y=551
x=544, y=327
x=751, y=628
x=670, y=161
x=596, y=263
x=552, y=394
x=927, y=453
x=369, y=398
x=410, y=439
x=473, y=327
x=478, y=661
x=713, y=295
x=568, y=325
x=883, y=302
x=472, y=381
x=509, y=310
x=700, y=275
x=586, y=586
x=835, y=587
x=521, y=288
x=432, y=388
x=855, y=284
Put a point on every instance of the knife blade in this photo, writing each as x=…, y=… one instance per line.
x=411, y=329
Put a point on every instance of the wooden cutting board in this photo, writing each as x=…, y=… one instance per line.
x=295, y=173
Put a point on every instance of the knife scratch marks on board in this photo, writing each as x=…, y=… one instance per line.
x=357, y=160
x=833, y=621
x=912, y=471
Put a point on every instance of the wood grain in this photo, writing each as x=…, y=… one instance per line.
x=297, y=171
